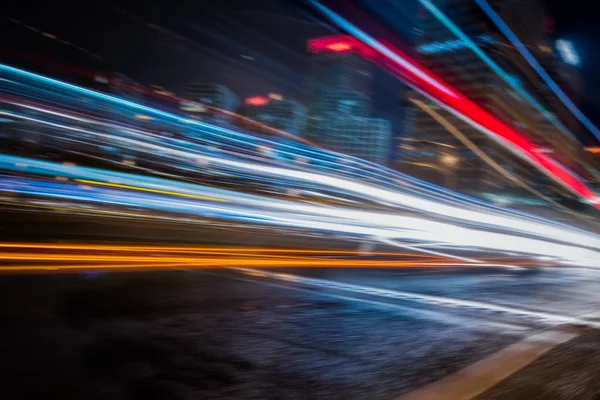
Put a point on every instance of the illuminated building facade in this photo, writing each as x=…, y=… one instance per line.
x=280, y=113
x=338, y=73
x=119, y=85
x=427, y=140
x=366, y=138
x=340, y=103
x=214, y=96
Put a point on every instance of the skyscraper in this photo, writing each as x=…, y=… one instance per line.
x=279, y=113
x=216, y=97
x=340, y=102
x=440, y=50
x=366, y=138
x=337, y=73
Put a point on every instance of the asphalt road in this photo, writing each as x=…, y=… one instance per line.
x=203, y=335
x=231, y=335
x=553, y=290
x=295, y=333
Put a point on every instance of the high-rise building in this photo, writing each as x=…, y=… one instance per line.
x=276, y=112
x=120, y=85
x=215, y=97
x=366, y=138
x=337, y=68
x=427, y=134
x=340, y=102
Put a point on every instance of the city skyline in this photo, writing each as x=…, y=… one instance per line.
x=129, y=23
x=395, y=115
x=299, y=199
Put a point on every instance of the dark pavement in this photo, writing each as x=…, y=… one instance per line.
x=231, y=335
x=196, y=335
x=565, y=291
x=570, y=371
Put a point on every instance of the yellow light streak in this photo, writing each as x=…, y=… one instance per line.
x=117, y=185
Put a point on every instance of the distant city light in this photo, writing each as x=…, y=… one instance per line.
x=164, y=92
x=593, y=150
x=567, y=52
x=275, y=96
x=256, y=101
x=142, y=117
x=449, y=160
x=339, y=46
x=191, y=106
x=454, y=44
x=487, y=39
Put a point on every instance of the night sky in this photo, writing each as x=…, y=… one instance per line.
x=578, y=21
x=171, y=42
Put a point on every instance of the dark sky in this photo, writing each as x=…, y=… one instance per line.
x=171, y=42
x=579, y=21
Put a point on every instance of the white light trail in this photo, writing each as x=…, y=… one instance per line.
x=311, y=217
x=420, y=250
x=370, y=192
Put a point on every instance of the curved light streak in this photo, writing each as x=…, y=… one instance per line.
x=436, y=12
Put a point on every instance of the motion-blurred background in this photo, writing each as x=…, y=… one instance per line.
x=299, y=198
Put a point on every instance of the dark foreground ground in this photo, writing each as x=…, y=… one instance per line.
x=222, y=335
x=184, y=335
x=228, y=335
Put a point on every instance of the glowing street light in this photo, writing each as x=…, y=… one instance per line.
x=593, y=150
x=275, y=96
x=449, y=160
x=567, y=52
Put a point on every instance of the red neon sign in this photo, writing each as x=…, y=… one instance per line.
x=256, y=101
x=339, y=47
x=339, y=44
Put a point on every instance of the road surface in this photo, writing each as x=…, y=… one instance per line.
x=216, y=334
x=244, y=331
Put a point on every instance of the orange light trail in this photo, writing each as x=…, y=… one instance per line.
x=197, y=249
x=42, y=257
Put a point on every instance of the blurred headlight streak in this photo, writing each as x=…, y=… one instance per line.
x=366, y=191
x=318, y=158
x=441, y=212
x=326, y=219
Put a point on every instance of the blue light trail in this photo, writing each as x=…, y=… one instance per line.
x=538, y=68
